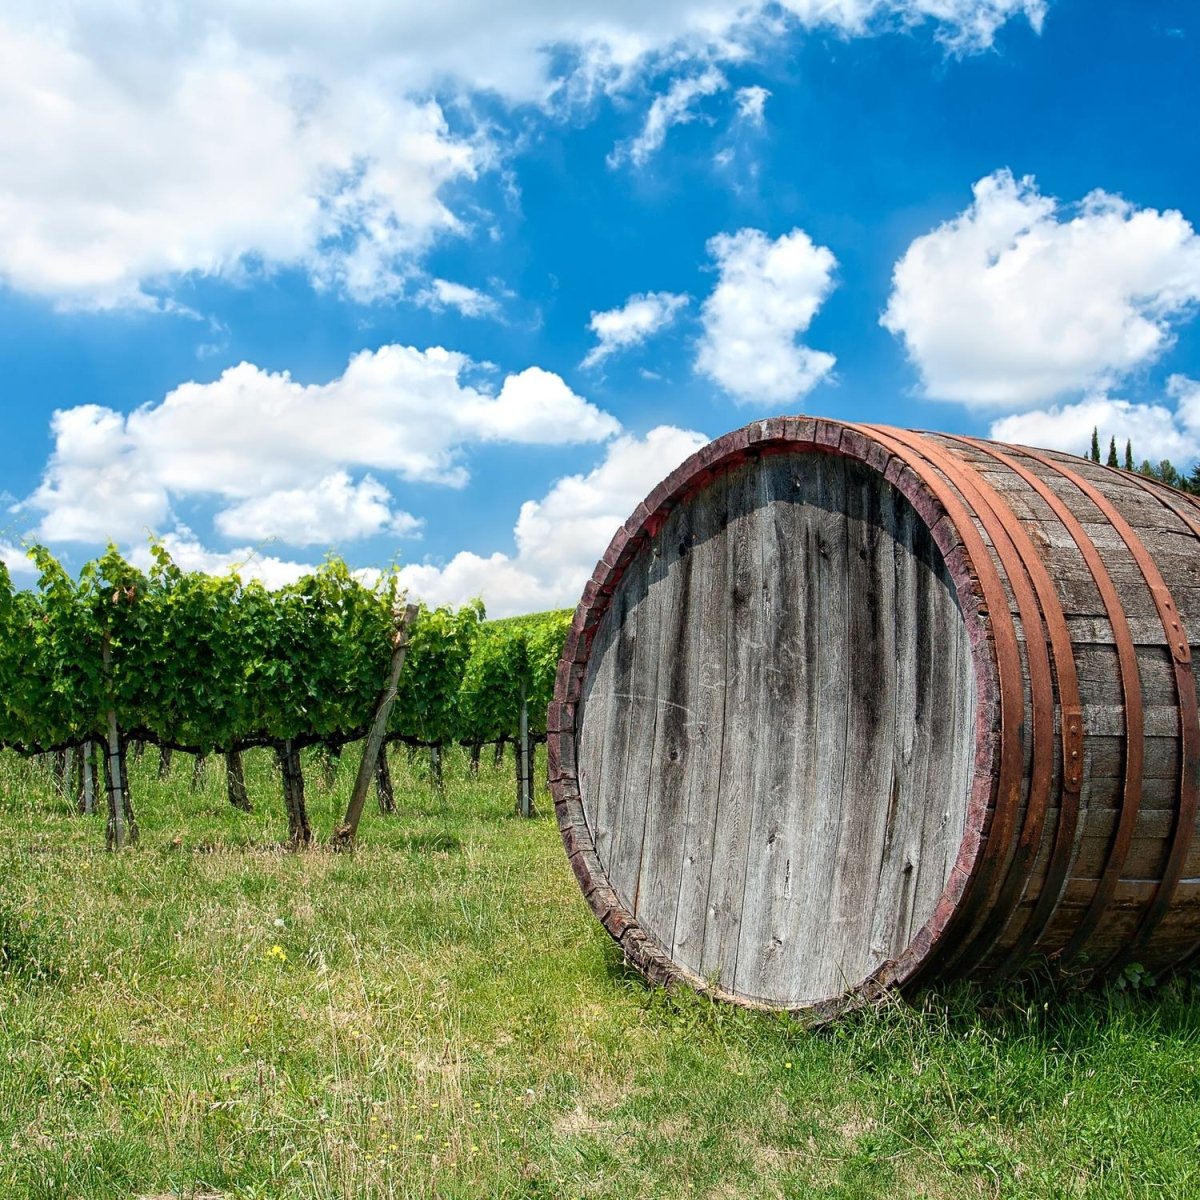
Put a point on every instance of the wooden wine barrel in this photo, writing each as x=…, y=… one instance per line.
x=845, y=708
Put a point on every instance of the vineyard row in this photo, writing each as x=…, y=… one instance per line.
x=216, y=664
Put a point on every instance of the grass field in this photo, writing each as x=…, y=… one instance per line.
x=439, y=1015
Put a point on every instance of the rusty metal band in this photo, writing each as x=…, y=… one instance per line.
x=1071, y=729
x=1007, y=534
x=1189, y=768
x=1185, y=688
x=998, y=830
x=1131, y=690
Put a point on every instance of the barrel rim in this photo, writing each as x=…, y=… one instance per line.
x=777, y=435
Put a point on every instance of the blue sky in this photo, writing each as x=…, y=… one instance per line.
x=453, y=286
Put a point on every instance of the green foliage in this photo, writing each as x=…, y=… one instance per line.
x=321, y=655
x=214, y=662
x=1167, y=473
x=440, y=645
x=508, y=655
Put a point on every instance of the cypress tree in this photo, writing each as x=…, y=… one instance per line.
x=1112, y=453
x=1095, y=454
x=1128, y=454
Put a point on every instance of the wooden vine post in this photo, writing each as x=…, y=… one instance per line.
x=344, y=834
x=299, y=831
x=88, y=800
x=199, y=770
x=524, y=765
x=235, y=781
x=384, y=792
x=122, y=828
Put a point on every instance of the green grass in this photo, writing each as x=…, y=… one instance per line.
x=444, y=1018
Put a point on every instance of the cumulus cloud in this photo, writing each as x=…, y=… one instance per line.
x=1186, y=394
x=641, y=316
x=469, y=301
x=252, y=435
x=537, y=408
x=332, y=509
x=94, y=487
x=1157, y=431
x=123, y=173
x=144, y=142
x=674, y=107
x=1019, y=300
x=752, y=103
x=560, y=537
x=766, y=296
x=15, y=560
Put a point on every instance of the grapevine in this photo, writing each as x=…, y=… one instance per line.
x=216, y=664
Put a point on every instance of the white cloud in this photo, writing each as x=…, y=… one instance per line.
x=94, y=487
x=641, y=316
x=1017, y=300
x=1157, y=431
x=16, y=561
x=537, y=408
x=140, y=142
x=252, y=434
x=118, y=173
x=766, y=296
x=559, y=538
x=751, y=103
x=1186, y=394
x=469, y=301
x=962, y=25
x=674, y=107
x=332, y=510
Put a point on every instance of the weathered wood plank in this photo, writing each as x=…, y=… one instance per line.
x=1100, y=676
x=1104, y=758
x=637, y=693
x=1145, y=631
x=1162, y=720
x=770, y=953
x=603, y=722
x=895, y=896
x=870, y=728
x=742, y=728
x=831, y=581
x=707, y=681
x=675, y=734
x=945, y=719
